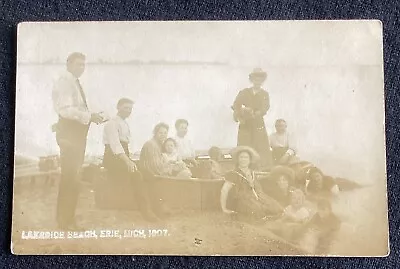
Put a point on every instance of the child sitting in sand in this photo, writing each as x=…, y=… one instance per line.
x=296, y=212
x=323, y=226
x=177, y=167
x=316, y=236
x=293, y=217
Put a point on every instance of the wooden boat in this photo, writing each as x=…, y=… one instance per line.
x=197, y=193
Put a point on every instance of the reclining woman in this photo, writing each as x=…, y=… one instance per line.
x=242, y=193
x=320, y=185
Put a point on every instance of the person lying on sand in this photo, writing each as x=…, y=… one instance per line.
x=308, y=178
x=320, y=185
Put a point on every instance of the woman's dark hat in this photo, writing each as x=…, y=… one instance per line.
x=254, y=156
x=259, y=73
x=277, y=171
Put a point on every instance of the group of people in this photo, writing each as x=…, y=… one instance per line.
x=281, y=196
x=161, y=155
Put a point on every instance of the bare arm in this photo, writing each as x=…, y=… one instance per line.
x=224, y=196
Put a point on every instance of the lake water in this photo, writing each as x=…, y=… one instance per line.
x=335, y=113
x=331, y=110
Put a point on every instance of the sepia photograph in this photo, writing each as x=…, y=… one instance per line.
x=233, y=138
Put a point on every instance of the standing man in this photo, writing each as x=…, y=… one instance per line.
x=250, y=107
x=116, y=159
x=70, y=104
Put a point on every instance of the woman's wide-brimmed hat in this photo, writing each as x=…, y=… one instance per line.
x=259, y=73
x=254, y=156
x=278, y=171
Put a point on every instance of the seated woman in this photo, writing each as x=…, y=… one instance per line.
x=319, y=184
x=151, y=163
x=242, y=193
x=176, y=167
x=151, y=159
x=279, y=184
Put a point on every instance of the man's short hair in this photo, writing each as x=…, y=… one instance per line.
x=180, y=121
x=124, y=101
x=280, y=121
x=159, y=126
x=75, y=55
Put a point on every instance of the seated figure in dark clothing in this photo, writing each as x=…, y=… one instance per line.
x=279, y=184
x=120, y=167
x=242, y=193
x=320, y=185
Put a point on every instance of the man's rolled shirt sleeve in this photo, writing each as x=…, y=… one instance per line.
x=112, y=138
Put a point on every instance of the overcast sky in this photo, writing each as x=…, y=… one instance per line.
x=281, y=43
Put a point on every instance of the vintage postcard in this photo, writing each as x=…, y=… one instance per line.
x=200, y=138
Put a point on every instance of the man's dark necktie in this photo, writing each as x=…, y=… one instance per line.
x=82, y=93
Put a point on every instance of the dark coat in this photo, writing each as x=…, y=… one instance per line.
x=252, y=131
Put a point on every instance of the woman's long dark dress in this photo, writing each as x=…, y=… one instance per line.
x=252, y=131
x=248, y=199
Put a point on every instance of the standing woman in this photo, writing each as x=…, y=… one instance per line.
x=250, y=107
